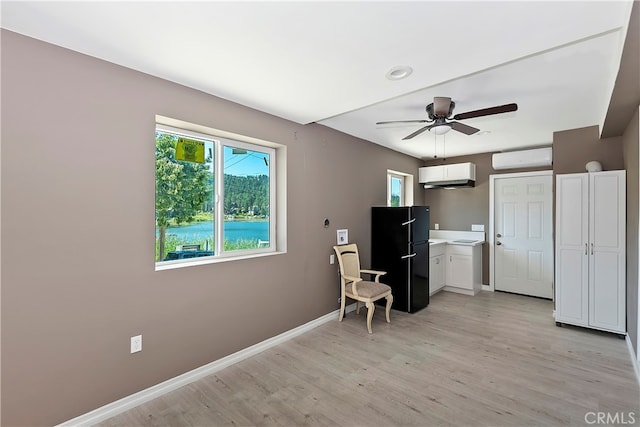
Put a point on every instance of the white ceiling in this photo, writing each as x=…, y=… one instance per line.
x=326, y=62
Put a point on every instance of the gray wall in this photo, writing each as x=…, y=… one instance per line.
x=572, y=149
x=630, y=142
x=77, y=216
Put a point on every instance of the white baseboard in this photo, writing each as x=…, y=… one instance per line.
x=112, y=409
x=634, y=358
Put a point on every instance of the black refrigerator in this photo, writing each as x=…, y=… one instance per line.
x=400, y=246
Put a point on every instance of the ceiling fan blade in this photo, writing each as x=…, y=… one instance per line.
x=441, y=106
x=486, y=111
x=418, y=132
x=467, y=130
x=402, y=121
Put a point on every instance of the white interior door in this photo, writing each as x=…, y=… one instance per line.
x=523, y=253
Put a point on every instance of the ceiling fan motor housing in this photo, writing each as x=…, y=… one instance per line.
x=432, y=115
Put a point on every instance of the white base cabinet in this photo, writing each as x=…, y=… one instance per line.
x=464, y=269
x=590, y=281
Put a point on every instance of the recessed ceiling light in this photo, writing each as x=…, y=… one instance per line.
x=399, y=72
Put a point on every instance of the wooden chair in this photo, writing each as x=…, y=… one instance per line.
x=353, y=286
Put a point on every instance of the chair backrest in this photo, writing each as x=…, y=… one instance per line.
x=348, y=259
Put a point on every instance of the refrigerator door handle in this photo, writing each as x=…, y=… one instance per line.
x=409, y=222
x=408, y=256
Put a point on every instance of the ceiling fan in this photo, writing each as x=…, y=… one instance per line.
x=440, y=111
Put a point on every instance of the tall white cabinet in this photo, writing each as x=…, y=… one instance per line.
x=590, y=250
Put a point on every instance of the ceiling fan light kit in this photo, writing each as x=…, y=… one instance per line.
x=440, y=112
x=440, y=129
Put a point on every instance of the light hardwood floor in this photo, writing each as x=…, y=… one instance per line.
x=495, y=359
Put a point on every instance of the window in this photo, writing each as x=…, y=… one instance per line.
x=215, y=196
x=396, y=189
x=399, y=189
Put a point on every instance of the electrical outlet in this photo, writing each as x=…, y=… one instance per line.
x=332, y=259
x=136, y=344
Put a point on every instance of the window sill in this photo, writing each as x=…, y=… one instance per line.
x=181, y=264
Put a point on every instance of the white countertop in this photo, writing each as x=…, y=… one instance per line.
x=454, y=237
x=437, y=241
x=433, y=242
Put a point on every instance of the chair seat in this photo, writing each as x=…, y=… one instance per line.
x=367, y=289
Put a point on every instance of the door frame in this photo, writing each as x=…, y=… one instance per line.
x=491, y=237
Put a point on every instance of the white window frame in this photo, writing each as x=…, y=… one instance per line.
x=277, y=191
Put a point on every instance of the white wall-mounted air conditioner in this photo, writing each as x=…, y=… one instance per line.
x=537, y=157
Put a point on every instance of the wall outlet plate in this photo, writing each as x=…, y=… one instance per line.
x=477, y=227
x=136, y=344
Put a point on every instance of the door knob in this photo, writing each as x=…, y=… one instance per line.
x=498, y=235
x=498, y=243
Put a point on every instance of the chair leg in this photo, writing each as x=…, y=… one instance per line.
x=342, y=304
x=388, y=308
x=370, y=309
x=358, y=307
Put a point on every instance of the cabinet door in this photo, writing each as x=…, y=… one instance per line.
x=458, y=171
x=460, y=271
x=431, y=173
x=572, y=259
x=436, y=273
x=440, y=272
x=432, y=275
x=607, y=271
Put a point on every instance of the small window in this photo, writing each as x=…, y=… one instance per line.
x=215, y=197
x=399, y=188
x=395, y=190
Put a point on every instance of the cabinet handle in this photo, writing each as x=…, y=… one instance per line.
x=437, y=260
x=409, y=222
x=586, y=249
x=592, y=249
x=450, y=258
x=408, y=256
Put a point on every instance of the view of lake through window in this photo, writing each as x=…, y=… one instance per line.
x=212, y=196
